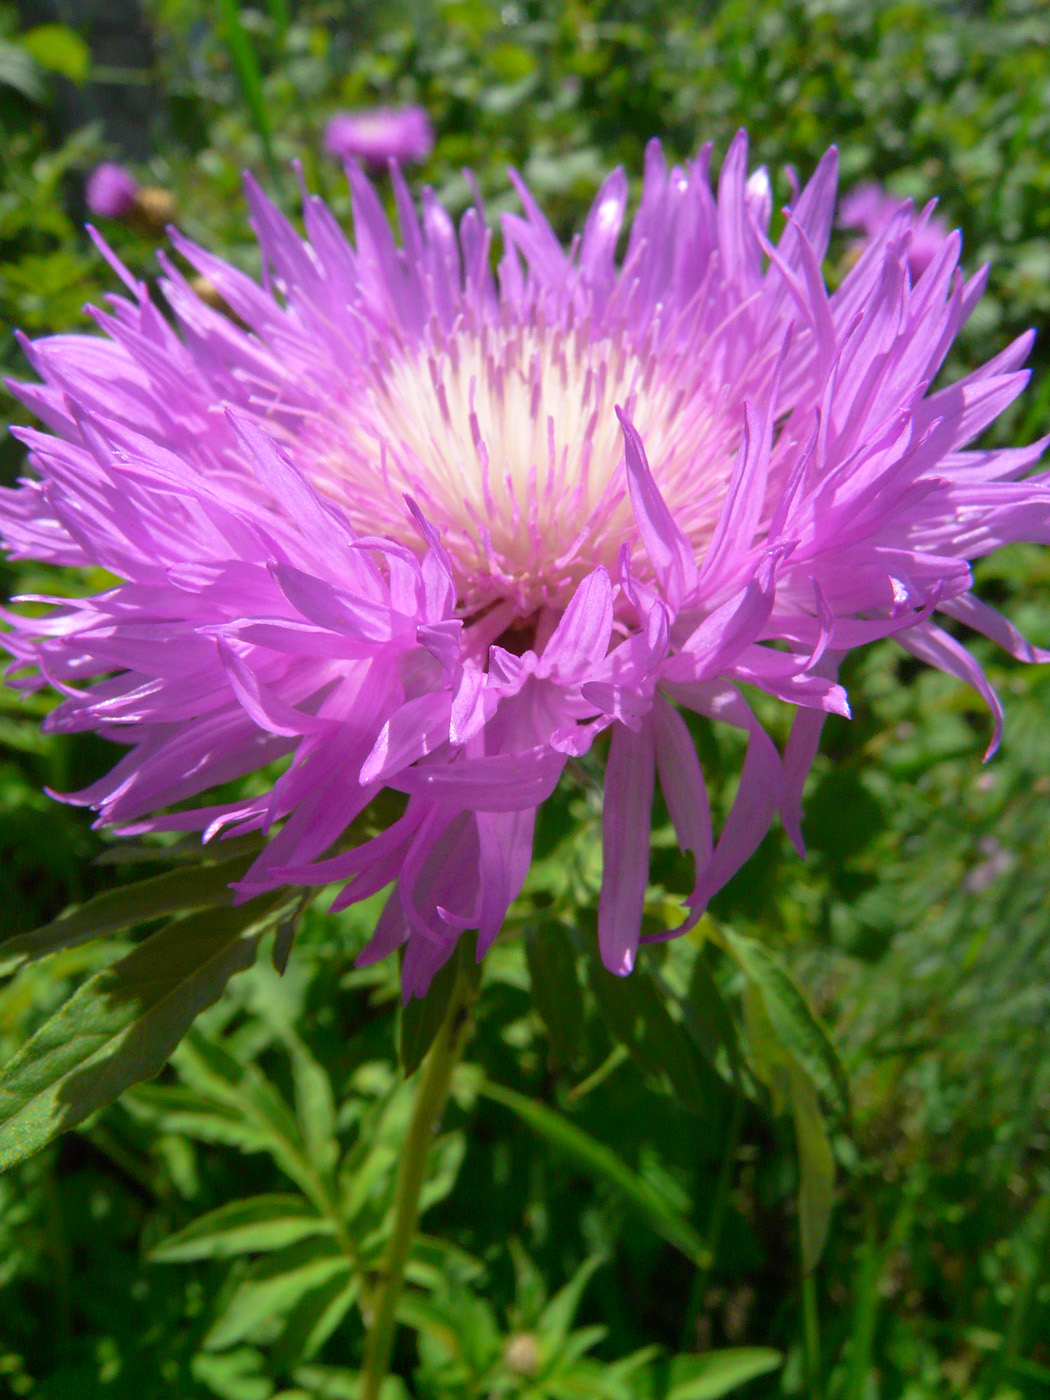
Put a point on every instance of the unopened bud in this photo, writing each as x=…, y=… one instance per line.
x=154, y=207
x=522, y=1354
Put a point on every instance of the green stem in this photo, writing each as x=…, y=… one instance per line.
x=431, y=1096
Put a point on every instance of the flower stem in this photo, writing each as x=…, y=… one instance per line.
x=435, y=1079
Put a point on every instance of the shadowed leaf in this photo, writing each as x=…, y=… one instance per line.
x=602, y=1162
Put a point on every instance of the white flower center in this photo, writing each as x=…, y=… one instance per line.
x=507, y=438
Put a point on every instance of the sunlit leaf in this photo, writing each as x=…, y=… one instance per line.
x=174, y=892
x=816, y=1167
x=716, y=1373
x=274, y=1287
x=58, y=49
x=794, y=1024
x=18, y=70
x=122, y=1024
x=255, y=1225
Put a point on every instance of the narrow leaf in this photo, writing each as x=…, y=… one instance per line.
x=276, y=1285
x=816, y=1167
x=314, y=1108
x=556, y=990
x=246, y=66
x=255, y=1225
x=603, y=1163
x=122, y=1024
x=421, y=1018
x=796, y=1027
x=716, y=1373
x=174, y=892
x=638, y=1017
x=314, y=1317
x=557, y=1317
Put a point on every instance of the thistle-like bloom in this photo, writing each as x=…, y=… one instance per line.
x=408, y=524
x=377, y=135
x=111, y=191
x=869, y=208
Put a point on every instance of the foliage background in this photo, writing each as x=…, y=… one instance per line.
x=917, y=925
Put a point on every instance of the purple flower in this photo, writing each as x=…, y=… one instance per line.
x=111, y=191
x=408, y=524
x=869, y=208
x=380, y=134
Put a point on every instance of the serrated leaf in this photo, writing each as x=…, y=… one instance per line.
x=273, y=1288
x=816, y=1167
x=716, y=1373
x=174, y=892
x=602, y=1162
x=556, y=992
x=246, y=1104
x=59, y=49
x=796, y=1027
x=314, y=1108
x=253, y=1226
x=122, y=1024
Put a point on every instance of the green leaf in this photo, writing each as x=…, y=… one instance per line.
x=421, y=1018
x=556, y=992
x=314, y=1108
x=59, y=50
x=314, y=1318
x=276, y=1285
x=18, y=71
x=123, y=1023
x=252, y=1226
x=638, y=1017
x=235, y=1103
x=246, y=66
x=716, y=1373
x=603, y=1163
x=174, y=892
x=816, y=1167
x=797, y=1029
x=235, y=1375
x=708, y=1015
x=556, y=1319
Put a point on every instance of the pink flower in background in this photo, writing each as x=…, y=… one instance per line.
x=111, y=191
x=869, y=208
x=377, y=135
x=408, y=524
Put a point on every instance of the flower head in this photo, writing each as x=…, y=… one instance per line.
x=869, y=208
x=111, y=191
x=377, y=135
x=424, y=527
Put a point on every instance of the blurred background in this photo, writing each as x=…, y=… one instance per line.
x=918, y=926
